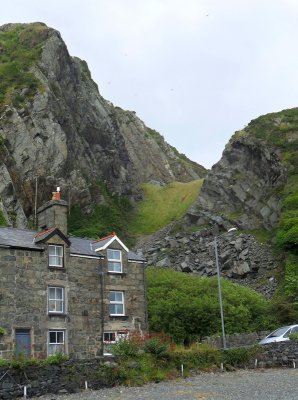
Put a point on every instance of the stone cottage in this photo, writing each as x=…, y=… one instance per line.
x=67, y=294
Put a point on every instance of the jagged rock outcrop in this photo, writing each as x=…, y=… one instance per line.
x=242, y=187
x=58, y=130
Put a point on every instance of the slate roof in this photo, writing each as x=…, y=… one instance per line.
x=135, y=257
x=83, y=247
x=24, y=238
x=21, y=238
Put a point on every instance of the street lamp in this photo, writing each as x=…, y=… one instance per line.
x=224, y=344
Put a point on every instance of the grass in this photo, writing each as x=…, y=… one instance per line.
x=21, y=47
x=105, y=218
x=163, y=205
x=160, y=206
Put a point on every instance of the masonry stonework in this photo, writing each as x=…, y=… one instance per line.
x=80, y=285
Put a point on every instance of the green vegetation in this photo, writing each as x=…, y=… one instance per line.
x=261, y=235
x=3, y=221
x=293, y=336
x=163, y=205
x=104, y=219
x=21, y=47
x=186, y=308
x=22, y=361
x=152, y=359
x=156, y=359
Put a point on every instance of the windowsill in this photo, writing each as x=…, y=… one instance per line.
x=117, y=273
x=56, y=267
x=118, y=316
x=56, y=314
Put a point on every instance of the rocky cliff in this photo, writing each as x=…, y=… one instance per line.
x=243, y=187
x=254, y=188
x=56, y=129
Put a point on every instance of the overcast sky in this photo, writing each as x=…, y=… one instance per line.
x=194, y=70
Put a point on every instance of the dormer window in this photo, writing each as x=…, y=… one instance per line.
x=55, y=256
x=114, y=261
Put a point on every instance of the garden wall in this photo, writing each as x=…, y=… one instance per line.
x=68, y=377
x=282, y=354
x=72, y=376
x=236, y=340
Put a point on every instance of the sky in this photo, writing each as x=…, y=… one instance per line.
x=194, y=70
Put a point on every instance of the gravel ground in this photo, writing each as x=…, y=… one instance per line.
x=269, y=384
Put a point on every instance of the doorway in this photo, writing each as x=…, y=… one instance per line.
x=23, y=342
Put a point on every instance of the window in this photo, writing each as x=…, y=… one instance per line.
x=116, y=303
x=56, y=300
x=109, y=337
x=55, y=256
x=56, y=342
x=114, y=261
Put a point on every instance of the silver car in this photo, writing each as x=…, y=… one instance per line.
x=280, y=334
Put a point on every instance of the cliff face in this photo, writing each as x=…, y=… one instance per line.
x=56, y=129
x=254, y=187
x=243, y=188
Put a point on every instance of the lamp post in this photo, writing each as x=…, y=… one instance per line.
x=224, y=344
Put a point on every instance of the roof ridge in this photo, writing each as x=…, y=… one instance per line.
x=104, y=238
x=44, y=232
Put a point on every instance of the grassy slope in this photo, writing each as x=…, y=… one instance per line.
x=163, y=205
x=160, y=206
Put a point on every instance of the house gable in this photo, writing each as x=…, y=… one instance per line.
x=104, y=243
x=49, y=234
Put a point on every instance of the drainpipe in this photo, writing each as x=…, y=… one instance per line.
x=101, y=279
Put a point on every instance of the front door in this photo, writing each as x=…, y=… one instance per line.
x=23, y=342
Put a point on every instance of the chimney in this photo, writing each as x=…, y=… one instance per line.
x=53, y=214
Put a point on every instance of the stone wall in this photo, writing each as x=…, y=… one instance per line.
x=73, y=376
x=282, y=354
x=68, y=377
x=25, y=278
x=237, y=339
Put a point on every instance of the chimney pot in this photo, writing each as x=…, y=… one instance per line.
x=56, y=195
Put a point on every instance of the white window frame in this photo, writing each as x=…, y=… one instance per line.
x=54, y=347
x=112, y=262
x=56, y=299
x=112, y=335
x=60, y=258
x=117, y=337
x=116, y=303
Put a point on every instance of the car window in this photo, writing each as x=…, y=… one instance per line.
x=295, y=329
x=287, y=334
x=279, y=332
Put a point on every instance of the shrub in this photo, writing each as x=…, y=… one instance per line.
x=294, y=336
x=157, y=348
x=125, y=349
x=195, y=357
x=240, y=356
x=186, y=307
x=56, y=359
